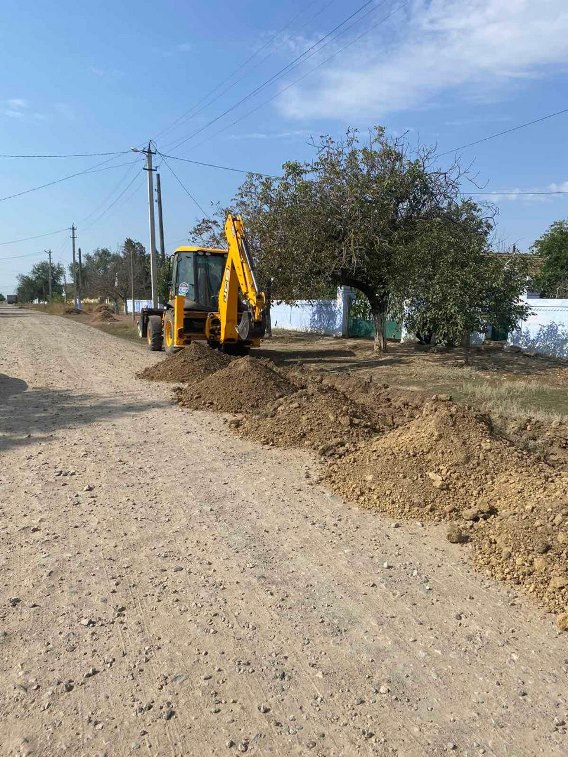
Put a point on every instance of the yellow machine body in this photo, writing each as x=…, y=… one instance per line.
x=214, y=295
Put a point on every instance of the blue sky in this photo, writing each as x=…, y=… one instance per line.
x=105, y=76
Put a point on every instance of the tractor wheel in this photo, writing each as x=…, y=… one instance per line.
x=154, y=333
x=169, y=333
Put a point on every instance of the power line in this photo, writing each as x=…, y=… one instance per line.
x=70, y=155
x=275, y=76
x=195, y=109
x=308, y=73
x=215, y=165
x=107, y=198
x=506, y=131
x=514, y=194
x=37, y=236
x=27, y=255
x=93, y=169
x=182, y=185
x=114, y=202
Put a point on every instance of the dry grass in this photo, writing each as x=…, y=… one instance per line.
x=518, y=399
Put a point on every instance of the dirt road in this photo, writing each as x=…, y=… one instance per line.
x=167, y=589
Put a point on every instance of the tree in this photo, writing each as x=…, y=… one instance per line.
x=356, y=215
x=2, y=298
x=461, y=287
x=107, y=274
x=552, y=247
x=35, y=285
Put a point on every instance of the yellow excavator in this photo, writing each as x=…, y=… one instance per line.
x=213, y=296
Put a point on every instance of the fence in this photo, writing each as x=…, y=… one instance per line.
x=545, y=331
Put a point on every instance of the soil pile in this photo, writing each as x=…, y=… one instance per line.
x=447, y=464
x=391, y=407
x=434, y=467
x=526, y=541
x=245, y=385
x=318, y=416
x=193, y=363
x=104, y=314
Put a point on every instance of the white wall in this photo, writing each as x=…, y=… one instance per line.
x=546, y=330
x=139, y=305
x=320, y=316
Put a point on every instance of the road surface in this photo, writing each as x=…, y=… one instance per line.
x=168, y=589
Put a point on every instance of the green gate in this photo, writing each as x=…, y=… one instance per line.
x=362, y=327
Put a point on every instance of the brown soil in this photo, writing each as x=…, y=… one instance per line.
x=448, y=464
x=319, y=417
x=104, y=313
x=526, y=541
x=188, y=366
x=433, y=467
x=406, y=454
x=245, y=385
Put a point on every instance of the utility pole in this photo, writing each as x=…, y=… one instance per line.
x=132, y=282
x=49, y=253
x=73, y=238
x=80, y=272
x=160, y=219
x=148, y=152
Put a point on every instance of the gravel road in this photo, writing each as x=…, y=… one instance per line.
x=168, y=589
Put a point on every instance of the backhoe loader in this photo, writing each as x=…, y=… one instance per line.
x=213, y=296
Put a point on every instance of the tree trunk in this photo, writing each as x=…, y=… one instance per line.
x=466, y=344
x=379, y=312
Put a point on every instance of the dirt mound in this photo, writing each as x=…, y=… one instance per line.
x=391, y=407
x=71, y=311
x=244, y=385
x=526, y=541
x=433, y=467
x=318, y=416
x=104, y=314
x=448, y=464
x=192, y=364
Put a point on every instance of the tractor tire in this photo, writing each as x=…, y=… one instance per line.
x=169, y=334
x=154, y=333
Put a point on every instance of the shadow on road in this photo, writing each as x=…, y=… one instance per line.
x=29, y=416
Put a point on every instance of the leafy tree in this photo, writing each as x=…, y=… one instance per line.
x=552, y=247
x=357, y=215
x=461, y=288
x=35, y=285
x=2, y=298
x=107, y=274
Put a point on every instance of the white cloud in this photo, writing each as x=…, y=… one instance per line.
x=477, y=48
x=272, y=135
x=184, y=47
x=514, y=195
x=17, y=103
x=13, y=113
x=562, y=187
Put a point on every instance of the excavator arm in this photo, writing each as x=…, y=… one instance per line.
x=238, y=276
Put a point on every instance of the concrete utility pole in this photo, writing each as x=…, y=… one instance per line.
x=80, y=272
x=132, y=282
x=73, y=238
x=49, y=254
x=160, y=219
x=148, y=152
